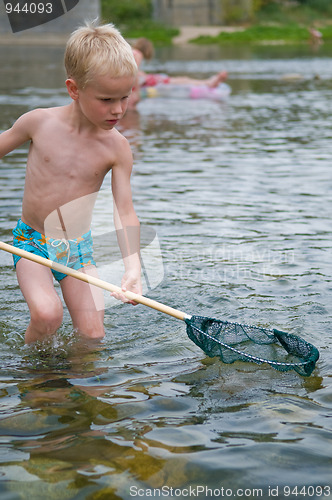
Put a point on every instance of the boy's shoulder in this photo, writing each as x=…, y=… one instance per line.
x=118, y=140
x=119, y=148
x=40, y=112
x=28, y=123
x=37, y=116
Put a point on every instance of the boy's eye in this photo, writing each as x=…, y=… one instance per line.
x=109, y=99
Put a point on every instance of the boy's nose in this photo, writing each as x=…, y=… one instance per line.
x=116, y=108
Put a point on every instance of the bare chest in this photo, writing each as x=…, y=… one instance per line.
x=67, y=159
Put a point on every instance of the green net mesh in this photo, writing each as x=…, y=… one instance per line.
x=235, y=341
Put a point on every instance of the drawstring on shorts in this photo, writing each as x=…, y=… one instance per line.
x=58, y=242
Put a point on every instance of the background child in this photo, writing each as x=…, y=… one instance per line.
x=72, y=148
x=143, y=50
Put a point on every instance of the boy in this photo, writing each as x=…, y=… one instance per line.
x=72, y=148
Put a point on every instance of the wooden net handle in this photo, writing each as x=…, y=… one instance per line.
x=140, y=299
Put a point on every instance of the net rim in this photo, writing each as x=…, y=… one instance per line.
x=299, y=364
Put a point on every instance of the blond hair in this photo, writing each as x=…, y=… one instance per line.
x=98, y=50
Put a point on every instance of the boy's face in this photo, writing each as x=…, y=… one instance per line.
x=104, y=101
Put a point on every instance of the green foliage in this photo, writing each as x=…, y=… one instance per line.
x=157, y=33
x=296, y=11
x=237, y=11
x=258, y=4
x=323, y=6
x=283, y=20
x=126, y=11
x=134, y=19
x=265, y=33
x=326, y=32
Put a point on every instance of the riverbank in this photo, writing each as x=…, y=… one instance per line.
x=188, y=33
x=256, y=34
x=185, y=36
x=267, y=34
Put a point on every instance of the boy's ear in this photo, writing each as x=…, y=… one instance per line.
x=72, y=88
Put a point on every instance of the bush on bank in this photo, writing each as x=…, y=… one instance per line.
x=273, y=20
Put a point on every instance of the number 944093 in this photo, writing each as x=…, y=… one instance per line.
x=29, y=8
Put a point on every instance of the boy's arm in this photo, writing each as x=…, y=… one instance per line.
x=126, y=221
x=18, y=134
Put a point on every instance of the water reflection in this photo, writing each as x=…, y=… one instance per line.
x=240, y=197
x=31, y=66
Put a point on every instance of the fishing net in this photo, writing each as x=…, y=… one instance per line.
x=235, y=341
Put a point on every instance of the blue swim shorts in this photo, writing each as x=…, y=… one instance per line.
x=76, y=253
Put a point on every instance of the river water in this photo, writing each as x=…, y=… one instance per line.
x=235, y=202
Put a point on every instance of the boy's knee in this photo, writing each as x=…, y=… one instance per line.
x=94, y=333
x=93, y=329
x=47, y=315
